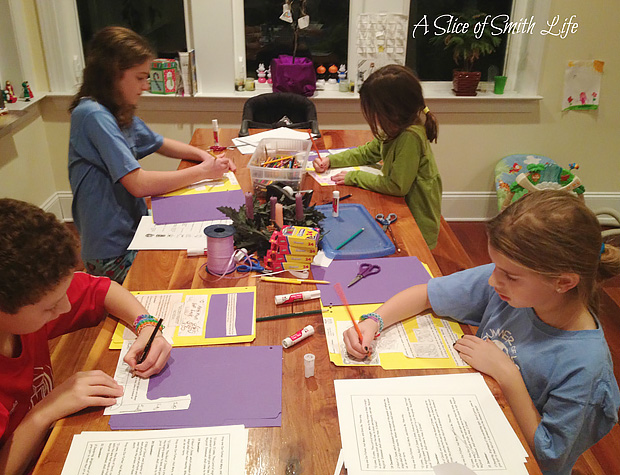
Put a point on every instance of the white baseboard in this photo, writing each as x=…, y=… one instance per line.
x=60, y=204
x=456, y=206
x=481, y=205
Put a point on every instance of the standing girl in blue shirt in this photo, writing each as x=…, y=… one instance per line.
x=393, y=105
x=105, y=144
x=538, y=332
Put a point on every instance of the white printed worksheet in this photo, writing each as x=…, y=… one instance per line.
x=412, y=424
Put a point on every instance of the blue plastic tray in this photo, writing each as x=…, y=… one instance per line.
x=372, y=242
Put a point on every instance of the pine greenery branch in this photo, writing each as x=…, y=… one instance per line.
x=254, y=234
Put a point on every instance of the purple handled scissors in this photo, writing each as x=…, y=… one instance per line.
x=364, y=271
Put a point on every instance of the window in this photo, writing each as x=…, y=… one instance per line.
x=325, y=40
x=217, y=31
x=426, y=54
x=161, y=22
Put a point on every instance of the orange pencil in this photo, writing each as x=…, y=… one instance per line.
x=340, y=292
x=316, y=149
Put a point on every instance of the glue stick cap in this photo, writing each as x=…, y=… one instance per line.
x=308, y=365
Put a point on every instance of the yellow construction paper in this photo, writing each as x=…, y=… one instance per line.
x=199, y=340
x=333, y=315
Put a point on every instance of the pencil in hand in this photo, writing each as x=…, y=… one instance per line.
x=343, y=298
x=150, y=342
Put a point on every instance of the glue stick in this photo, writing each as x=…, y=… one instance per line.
x=216, y=132
x=289, y=298
x=335, y=203
x=297, y=337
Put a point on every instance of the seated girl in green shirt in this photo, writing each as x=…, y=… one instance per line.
x=393, y=105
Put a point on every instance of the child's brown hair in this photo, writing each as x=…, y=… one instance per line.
x=111, y=51
x=554, y=232
x=36, y=252
x=392, y=100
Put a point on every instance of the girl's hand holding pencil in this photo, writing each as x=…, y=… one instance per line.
x=321, y=163
x=358, y=347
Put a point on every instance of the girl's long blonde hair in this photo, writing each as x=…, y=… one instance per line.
x=554, y=232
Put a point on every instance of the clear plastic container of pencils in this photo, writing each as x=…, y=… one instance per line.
x=278, y=161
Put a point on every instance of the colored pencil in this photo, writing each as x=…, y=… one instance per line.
x=348, y=240
x=288, y=315
x=274, y=160
x=150, y=342
x=340, y=292
x=286, y=280
x=316, y=149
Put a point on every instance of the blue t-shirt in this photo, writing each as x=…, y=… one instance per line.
x=100, y=154
x=568, y=374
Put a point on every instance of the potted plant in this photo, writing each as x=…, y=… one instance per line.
x=467, y=48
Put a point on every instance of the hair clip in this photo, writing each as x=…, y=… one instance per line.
x=426, y=110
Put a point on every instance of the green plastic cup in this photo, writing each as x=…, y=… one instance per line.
x=500, y=84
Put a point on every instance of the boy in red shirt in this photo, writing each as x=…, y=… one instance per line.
x=41, y=298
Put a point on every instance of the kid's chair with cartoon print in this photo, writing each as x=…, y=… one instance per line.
x=516, y=175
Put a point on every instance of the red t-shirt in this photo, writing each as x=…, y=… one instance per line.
x=27, y=379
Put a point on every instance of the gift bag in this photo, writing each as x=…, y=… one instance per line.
x=291, y=74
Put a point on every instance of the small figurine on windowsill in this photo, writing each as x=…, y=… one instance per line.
x=262, y=73
x=320, y=77
x=333, y=74
x=269, y=81
x=27, y=91
x=10, y=94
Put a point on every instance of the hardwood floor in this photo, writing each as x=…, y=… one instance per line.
x=603, y=458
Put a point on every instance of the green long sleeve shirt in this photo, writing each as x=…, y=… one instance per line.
x=409, y=170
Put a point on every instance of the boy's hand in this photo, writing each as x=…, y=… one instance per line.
x=484, y=356
x=321, y=164
x=355, y=348
x=338, y=179
x=82, y=390
x=155, y=359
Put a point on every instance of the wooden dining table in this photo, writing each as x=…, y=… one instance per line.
x=308, y=441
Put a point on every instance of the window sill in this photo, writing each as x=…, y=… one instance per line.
x=439, y=99
x=18, y=114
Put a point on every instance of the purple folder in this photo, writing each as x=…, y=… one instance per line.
x=228, y=384
x=196, y=207
x=397, y=273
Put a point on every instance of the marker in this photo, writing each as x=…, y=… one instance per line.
x=289, y=298
x=346, y=197
x=335, y=203
x=297, y=337
x=288, y=315
x=216, y=132
x=150, y=342
x=346, y=241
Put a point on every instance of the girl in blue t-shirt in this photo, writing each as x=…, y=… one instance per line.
x=538, y=332
x=106, y=142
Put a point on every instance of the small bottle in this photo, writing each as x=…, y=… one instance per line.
x=240, y=76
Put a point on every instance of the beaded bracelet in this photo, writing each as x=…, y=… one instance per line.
x=145, y=320
x=377, y=318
